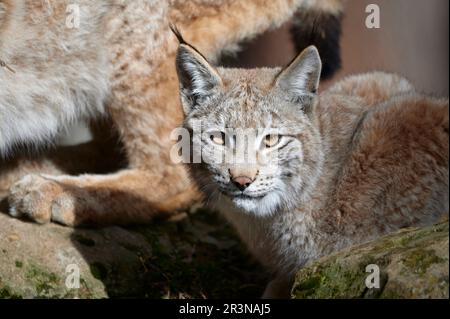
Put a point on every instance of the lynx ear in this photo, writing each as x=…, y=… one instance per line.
x=301, y=77
x=198, y=79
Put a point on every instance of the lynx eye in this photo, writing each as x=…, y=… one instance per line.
x=272, y=140
x=218, y=138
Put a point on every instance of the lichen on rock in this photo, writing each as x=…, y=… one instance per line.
x=412, y=263
x=197, y=255
x=193, y=255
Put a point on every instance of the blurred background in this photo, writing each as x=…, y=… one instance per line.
x=413, y=40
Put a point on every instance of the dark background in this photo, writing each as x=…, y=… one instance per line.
x=413, y=41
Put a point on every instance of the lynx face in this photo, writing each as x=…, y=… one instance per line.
x=258, y=143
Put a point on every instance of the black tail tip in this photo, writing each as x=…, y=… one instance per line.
x=322, y=30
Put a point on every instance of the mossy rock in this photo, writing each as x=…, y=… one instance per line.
x=412, y=263
x=193, y=255
x=197, y=255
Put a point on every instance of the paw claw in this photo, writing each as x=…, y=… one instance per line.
x=32, y=197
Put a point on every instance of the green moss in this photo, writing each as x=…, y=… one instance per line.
x=308, y=287
x=6, y=293
x=417, y=235
x=44, y=282
x=343, y=275
x=330, y=280
x=419, y=260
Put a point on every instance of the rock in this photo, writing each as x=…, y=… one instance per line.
x=413, y=263
x=196, y=254
x=193, y=255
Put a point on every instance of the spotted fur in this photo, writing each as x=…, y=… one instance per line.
x=360, y=160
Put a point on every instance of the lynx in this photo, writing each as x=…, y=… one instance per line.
x=362, y=159
x=117, y=59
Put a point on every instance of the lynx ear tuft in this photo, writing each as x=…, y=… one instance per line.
x=301, y=77
x=198, y=79
x=177, y=33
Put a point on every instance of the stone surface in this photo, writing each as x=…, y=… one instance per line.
x=193, y=255
x=413, y=263
x=197, y=255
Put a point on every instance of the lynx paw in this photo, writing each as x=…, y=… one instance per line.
x=41, y=199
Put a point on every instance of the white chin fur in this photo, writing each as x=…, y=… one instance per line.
x=261, y=207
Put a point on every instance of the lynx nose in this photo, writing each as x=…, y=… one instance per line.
x=242, y=182
x=243, y=177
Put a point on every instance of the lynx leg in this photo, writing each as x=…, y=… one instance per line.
x=12, y=171
x=127, y=197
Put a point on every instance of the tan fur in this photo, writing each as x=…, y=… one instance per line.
x=363, y=159
x=394, y=175
x=143, y=99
